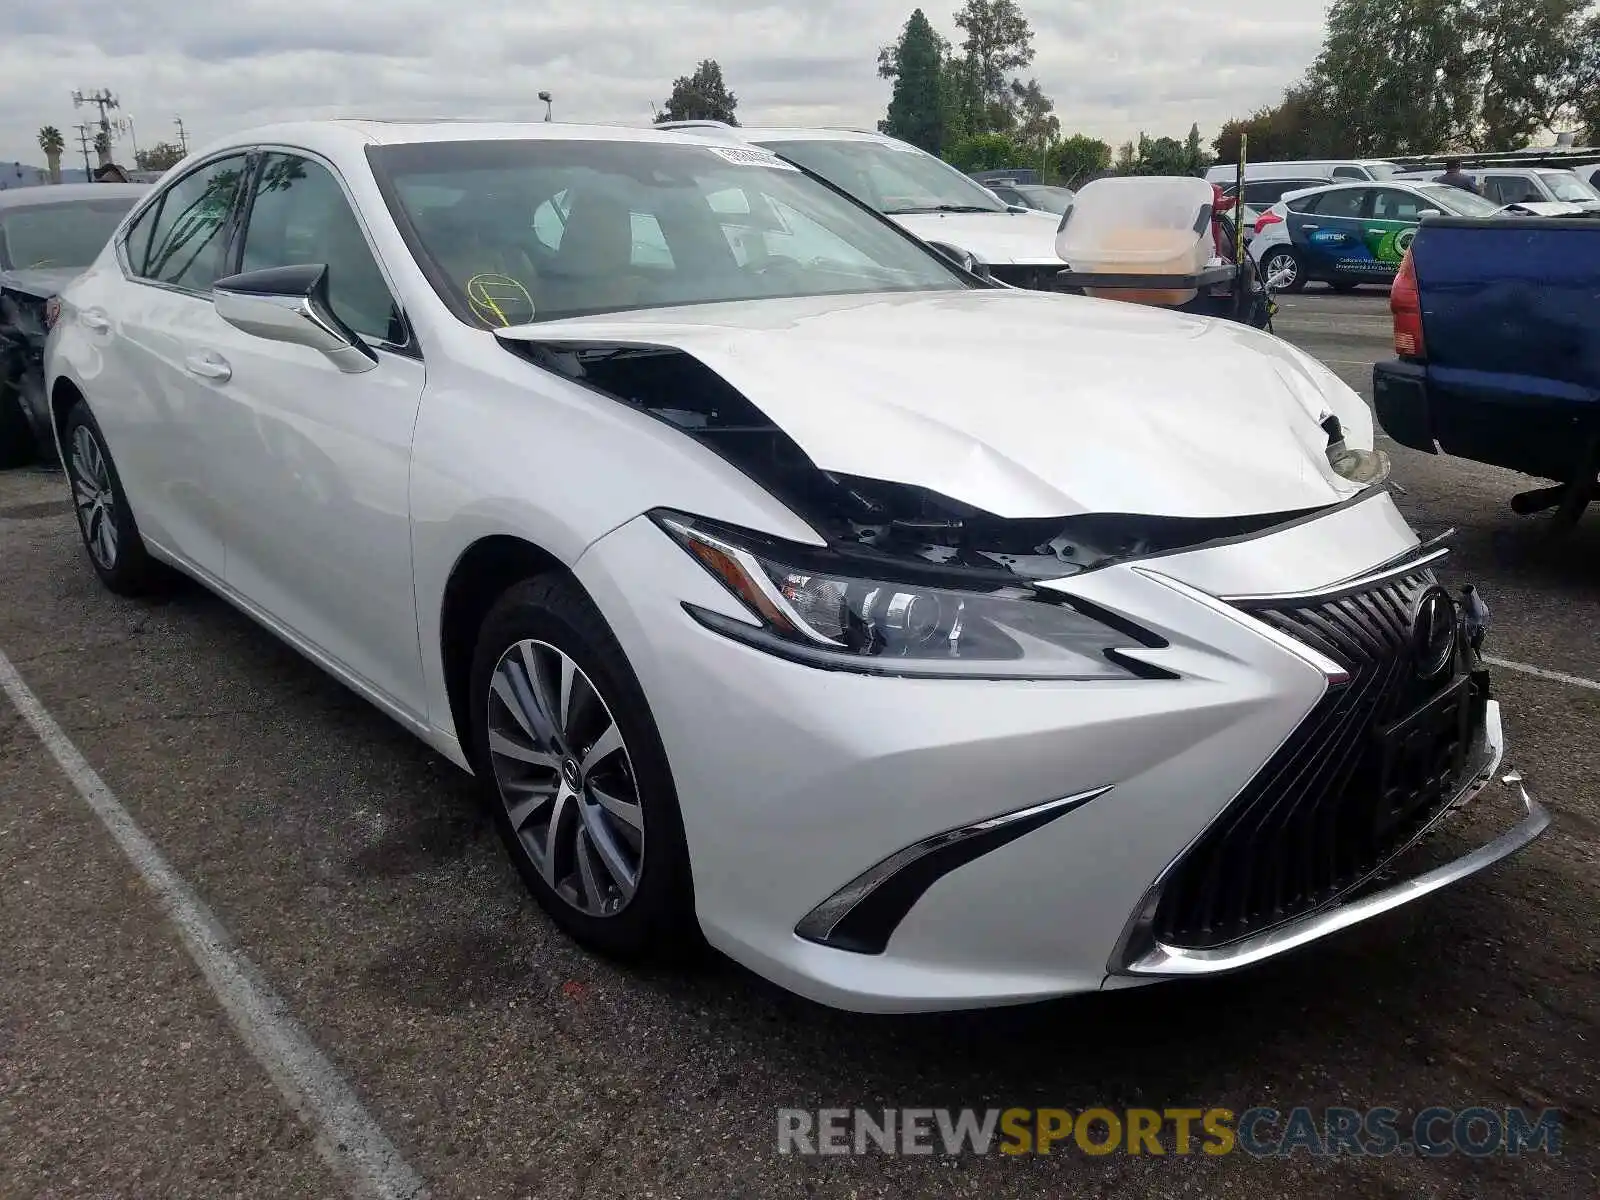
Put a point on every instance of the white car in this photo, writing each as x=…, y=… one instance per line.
x=759, y=613
x=921, y=193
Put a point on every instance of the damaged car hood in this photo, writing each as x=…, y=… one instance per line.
x=998, y=238
x=1021, y=404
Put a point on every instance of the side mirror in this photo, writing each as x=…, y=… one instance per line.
x=1429, y=212
x=963, y=259
x=290, y=304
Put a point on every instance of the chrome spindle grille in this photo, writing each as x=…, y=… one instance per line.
x=1330, y=807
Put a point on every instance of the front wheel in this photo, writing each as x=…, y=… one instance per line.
x=1283, y=261
x=576, y=776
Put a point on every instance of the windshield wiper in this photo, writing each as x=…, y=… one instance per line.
x=931, y=208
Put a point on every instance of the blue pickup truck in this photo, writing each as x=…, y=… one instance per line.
x=1497, y=343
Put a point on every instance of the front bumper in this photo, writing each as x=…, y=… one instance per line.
x=1142, y=955
x=795, y=782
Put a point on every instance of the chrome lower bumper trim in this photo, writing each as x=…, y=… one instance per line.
x=1165, y=961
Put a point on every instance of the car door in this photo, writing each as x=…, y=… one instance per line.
x=1326, y=231
x=156, y=424
x=1393, y=215
x=317, y=461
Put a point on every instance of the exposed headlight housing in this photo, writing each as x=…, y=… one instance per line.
x=828, y=609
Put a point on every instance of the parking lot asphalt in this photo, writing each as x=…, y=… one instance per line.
x=357, y=873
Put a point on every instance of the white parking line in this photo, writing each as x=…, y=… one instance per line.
x=1541, y=673
x=346, y=1136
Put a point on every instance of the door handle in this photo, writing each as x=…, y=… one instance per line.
x=1311, y=227
x=95, y=320
x=208, y=365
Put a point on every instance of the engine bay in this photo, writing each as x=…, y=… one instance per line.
x=875, y=517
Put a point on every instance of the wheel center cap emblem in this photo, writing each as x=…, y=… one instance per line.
x=570, y=773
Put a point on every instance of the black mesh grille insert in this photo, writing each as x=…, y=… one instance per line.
x=1377, y=759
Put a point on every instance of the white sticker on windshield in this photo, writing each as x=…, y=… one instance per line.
x=746, y=156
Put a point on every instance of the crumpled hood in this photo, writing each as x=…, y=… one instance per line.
x=1024, y=404
x=1018, y=239
x=40, y=281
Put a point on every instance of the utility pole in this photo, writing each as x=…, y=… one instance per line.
x=84, y=137
x=104, y=101
x=183, y=138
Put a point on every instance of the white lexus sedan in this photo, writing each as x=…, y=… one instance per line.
x=667, y=490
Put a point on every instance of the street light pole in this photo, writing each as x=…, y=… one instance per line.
x=545, y=96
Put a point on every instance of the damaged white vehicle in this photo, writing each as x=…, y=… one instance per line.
x=665, y=489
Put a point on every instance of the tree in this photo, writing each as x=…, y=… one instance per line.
x=159, y=157
x=700, y=97
x=1195, y=158
x=1037, y=124
x=1531, y=54
x=1396, y=74
x=998, y=41
x=1079, y=158
x=916, y=63
x=53, y=144
x=985, y=152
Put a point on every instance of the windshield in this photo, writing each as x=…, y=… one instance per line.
x=1457, y=200
x=1049, y=199
x=69, y=234
x=536, y=230
x=893, y=178
x=1564, y=185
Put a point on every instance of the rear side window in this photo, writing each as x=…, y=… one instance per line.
x=1269, y=191
x=1349, y=173
x=1345, y=202
x=188, y=237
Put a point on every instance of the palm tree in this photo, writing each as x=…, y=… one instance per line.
x=52, y=143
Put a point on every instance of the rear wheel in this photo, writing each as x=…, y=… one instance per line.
x=576, y=775
x=1283, y=261
x=110, y=534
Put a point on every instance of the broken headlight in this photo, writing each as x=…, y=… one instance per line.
x=830, y=610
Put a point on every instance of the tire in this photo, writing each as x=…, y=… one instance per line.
x=1284, y=256
x=110, y=535
x=17, y=446
x=576, y=864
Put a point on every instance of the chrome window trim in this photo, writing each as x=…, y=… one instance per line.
x=119, y=240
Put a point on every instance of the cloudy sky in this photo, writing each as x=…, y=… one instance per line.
x=1114, y=67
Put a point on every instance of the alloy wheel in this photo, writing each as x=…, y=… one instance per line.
x=94, y=497
x=1284, y=263
x=563, y=774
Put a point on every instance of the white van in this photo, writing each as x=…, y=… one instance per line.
x=1265, y=183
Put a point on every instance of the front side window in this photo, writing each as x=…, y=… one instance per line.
x=1392, y=204
x=188, y=238
x=59, y=235
x=298, y=216
x=1509, y=189
x=517, y=231
x=894, y=179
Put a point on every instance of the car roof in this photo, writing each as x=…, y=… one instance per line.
x=353, y=134
x=66, y=193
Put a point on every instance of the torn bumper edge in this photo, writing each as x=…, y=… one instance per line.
x=1169, y=962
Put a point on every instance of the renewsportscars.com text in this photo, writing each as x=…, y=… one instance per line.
x=1476, y=1132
